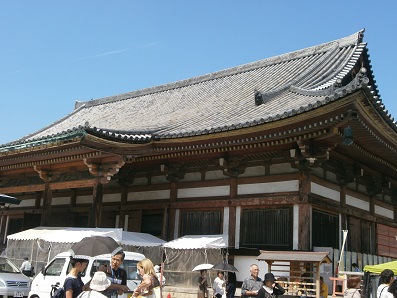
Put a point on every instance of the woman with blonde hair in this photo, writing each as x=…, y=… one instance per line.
x=149, y=284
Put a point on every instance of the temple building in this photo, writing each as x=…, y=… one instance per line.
x=278, y=154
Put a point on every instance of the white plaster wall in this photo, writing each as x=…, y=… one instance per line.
x=358, y=203
x=25, y=203
x=254, y=172
x=379, y=196
x=331, y=176
x=204, y=192
x=361, y=188
x=243, y=263
x=282, y=168
x=140, y=181
x=325, y=191
x=84, y=200
x=292, y=185
x=226, y=216
x=237, y=232
x=149, y=195
x=112, y=197
x=384, y=212
x=214, y=175
x=159, y=179
x=295, y=229
x=61, y=201
x=191, y=177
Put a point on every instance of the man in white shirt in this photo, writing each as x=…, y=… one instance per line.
x=26, y=267
x=385, y=280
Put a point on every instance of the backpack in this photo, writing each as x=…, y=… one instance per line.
x=58, y=291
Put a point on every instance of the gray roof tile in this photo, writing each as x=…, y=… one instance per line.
x=224, y=100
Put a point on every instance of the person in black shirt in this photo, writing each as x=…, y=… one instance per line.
x=117, y=275
x=73, y=284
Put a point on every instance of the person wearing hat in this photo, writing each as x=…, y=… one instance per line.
x=99, y=283
x=270, y=287
x=26, y=267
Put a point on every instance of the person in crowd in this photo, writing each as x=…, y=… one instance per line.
x=160, y=276
x=355, y=268
x=251, y=284
x=203, y=285
x=73, y=284
x=323, y=288
x=353, y=285
x=270, y=288
x=26, y=267
x=98, y=285
x=231, y=285
x=385, y=280
x=393, y=288
x=116, y=275
x=219, y=285
x=149, y=279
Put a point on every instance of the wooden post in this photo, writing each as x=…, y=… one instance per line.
x=94, y=218
x=123, y=201
x=304, y=212
x=47, y=202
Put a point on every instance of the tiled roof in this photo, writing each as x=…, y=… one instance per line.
x=285, y=86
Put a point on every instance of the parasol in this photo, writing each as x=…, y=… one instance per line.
x=224, y=267
x=94, y=246
x=202, y=267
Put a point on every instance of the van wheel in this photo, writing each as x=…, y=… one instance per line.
x=34, y=296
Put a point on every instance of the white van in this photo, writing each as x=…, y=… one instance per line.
x=57, y=269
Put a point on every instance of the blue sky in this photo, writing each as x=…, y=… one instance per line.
x=53, y=53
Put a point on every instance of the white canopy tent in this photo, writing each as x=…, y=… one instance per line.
x=183, y=254
x=198, y=241
x=41, y=244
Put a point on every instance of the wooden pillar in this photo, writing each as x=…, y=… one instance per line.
x=123, y=201
x=47, y=202
x=171, y=224
x=3, y=225
x=103, y=172
x=304, y=227
x=342, y=196
x=164, y=232
x=37, y=201
x=232, y=226
x=304, y=212
x=233, y=188
x=94, y=218
x=172, y=211
x=73, y=197
x=135, y=221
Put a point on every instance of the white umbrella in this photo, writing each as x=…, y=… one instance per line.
x=202, y=267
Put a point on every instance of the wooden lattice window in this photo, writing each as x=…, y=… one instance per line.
x=266, y=228
x=201, y=223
